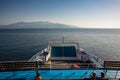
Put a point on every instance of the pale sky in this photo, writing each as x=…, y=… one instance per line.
x=81, y=13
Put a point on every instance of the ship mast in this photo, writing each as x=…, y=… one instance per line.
x=63, y=39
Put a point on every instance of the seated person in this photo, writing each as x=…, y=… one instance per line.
x=93, y=77
x=103, y=76
x=38, y=77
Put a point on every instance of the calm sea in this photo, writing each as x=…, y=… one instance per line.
x=24, y=43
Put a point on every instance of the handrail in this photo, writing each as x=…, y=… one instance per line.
x=99, y=62
x=112, y=65
x=37, y=54
x=30, y=65
x=25, y=65
x=18, y=65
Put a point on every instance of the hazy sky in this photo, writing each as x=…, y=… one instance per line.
x=82, y=13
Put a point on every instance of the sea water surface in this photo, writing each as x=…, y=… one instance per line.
x=22, y=44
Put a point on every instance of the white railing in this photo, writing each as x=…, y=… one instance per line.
x=99, y=62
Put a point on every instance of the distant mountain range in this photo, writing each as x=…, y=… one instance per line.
x=36, y=25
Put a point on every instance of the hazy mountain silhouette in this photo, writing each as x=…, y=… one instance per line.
x=35, y=25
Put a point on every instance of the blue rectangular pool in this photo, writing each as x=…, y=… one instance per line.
x=64, y=51
x=56, y=74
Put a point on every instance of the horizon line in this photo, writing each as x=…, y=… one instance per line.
x=84, y=27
